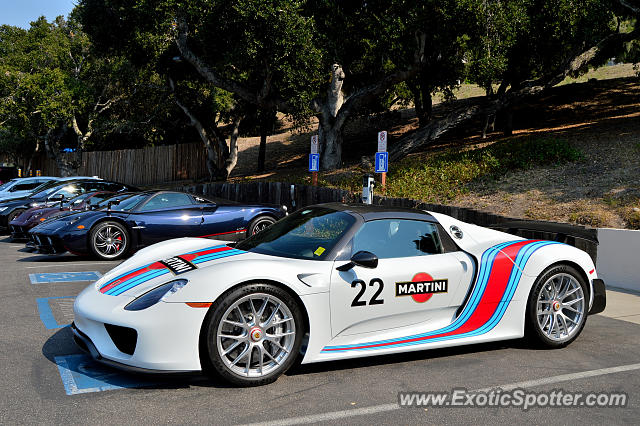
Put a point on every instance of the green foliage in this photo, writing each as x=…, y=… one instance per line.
x=444, y=176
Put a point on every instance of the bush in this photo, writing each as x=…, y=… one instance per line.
x=444, y=176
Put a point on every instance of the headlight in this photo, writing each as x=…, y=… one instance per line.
x=3, y=209
x=155, y=295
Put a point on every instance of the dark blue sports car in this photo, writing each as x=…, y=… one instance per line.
x=130, y=222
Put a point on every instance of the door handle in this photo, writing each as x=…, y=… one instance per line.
x=202, y=219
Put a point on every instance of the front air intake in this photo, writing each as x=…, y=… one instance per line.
x=124, y=338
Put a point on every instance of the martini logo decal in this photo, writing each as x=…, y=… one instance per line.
x=178, y=265
x=421, y=287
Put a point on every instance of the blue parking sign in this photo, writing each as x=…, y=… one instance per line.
x=382, y=162
x=314, y=162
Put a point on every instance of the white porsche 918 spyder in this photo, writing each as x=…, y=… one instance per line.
x=330, y=282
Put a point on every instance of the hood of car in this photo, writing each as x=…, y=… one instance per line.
x=156, y=265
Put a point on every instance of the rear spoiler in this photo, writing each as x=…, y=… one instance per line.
x=561, y=232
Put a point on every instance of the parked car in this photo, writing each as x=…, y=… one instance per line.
x=22, y=187
x=333, y=282
x=146, y=218
x=53, y=193
x=21, y=225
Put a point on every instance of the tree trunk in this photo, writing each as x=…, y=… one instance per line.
x=51, y=143
x=232, y=159
x=330, y=129
x=262, y=151
x=332, y=147
x=427, y=105
x=417, y=102
x=508, y=121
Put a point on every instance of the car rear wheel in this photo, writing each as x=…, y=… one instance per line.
x=253, y=335
x=260, y=223
x=557, y=307
x=109, y=240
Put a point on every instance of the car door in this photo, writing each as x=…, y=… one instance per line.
x=167, y=215
x=416, y=282
x=223, y=221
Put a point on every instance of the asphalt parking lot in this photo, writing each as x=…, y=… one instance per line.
x=46, y=379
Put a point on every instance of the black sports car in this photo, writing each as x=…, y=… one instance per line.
x=129, y=223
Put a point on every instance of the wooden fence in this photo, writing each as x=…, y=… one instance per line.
x=146, y=166
x=298, y=196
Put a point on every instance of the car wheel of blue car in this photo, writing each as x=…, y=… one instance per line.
x=109, y=240
x=260, y=223
x=253, y=335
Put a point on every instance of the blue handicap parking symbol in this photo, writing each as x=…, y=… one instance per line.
x=81, y=374
x=314, y=162
x=46, y=314
x=64, y=277
x=382, y=162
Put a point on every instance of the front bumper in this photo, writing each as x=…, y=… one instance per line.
x=167, y=335
x=59, y=241
x=19, y=232
x=47, y=244
x=599, y=297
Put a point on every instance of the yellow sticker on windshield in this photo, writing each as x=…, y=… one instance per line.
x=319, y=251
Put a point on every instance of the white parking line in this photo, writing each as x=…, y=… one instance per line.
x=337, y=415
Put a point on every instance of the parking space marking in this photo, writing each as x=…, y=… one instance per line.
x=64, y=277
x=81, y=374
x=46, y=313
x=343, y=414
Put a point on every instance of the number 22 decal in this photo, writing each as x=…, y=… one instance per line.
x=363, y=287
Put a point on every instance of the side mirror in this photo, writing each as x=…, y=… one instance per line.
x=366, y=259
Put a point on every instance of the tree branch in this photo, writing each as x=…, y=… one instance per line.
x=366, y=93
x=436, y=129
x=207, y=73
x=632, y=8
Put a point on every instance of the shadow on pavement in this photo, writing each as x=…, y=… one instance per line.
x=81, y=374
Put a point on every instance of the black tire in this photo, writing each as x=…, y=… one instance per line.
x=117, y=250
x=216, y=364
x=260, y=223
x=549, y=329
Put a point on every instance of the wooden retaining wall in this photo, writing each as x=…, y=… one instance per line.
x=304, y=195
x=145, y=166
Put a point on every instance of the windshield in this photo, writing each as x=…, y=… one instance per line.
x=45, y=188
x=306, y=234
x=6, y=185
x=127, y=202
x=79, y=199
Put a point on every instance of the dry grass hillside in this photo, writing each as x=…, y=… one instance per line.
x=595, y=119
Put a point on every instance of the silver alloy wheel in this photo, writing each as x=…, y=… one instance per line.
x=560, y=307
x=262, y=224
x=256, y=335
x=110, y=241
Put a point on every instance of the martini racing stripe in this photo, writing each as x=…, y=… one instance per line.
x=147, y=276
x=499, y=275
x=131, y=279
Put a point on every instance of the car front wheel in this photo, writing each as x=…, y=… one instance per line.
x=253, y=335
x=109, y=240
x=557, y=307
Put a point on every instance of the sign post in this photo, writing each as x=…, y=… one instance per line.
x=314, y=160
x=382, y=160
